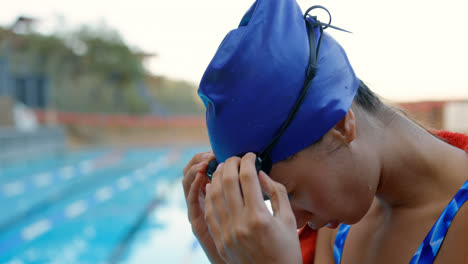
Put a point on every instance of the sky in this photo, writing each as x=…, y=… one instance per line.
x=404, y=50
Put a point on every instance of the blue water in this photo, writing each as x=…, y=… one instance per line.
x=97, y=206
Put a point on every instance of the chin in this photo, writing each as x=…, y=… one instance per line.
x=300, y=226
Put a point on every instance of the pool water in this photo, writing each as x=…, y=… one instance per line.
x=98, y=206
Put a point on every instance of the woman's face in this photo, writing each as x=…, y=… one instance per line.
x=329, y=182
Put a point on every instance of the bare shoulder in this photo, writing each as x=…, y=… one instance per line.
x=454, y=249
x=324, y=247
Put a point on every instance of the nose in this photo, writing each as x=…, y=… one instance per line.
x=303, y=216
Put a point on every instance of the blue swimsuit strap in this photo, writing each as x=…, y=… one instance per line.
x=429, y=248
x=339, y=242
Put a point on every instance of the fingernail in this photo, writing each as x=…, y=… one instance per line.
x=220, y=166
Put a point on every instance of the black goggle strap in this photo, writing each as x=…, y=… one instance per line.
x=310, y=74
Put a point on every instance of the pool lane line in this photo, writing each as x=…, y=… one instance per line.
x=41, y=227
x=45, y=164
x=50, y=200
x=122, y=246
x=16, y=188
x=46, y=224
x=46, y=202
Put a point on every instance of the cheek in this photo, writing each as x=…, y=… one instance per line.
x=354, y=196
x=358, y=187
x=316, y=193
x=335, y=195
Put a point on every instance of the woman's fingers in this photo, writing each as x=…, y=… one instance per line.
x=212, y=223
x=231, y=187
x=217, y=199
x=197, y=158
x=278, y=197
x=240, y=235
x=193, y=203
x=198, y=163
x=189, y=176
x=251, y=189
x=227, y=204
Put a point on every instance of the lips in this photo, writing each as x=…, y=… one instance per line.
x=333, y=224
x=312, y=225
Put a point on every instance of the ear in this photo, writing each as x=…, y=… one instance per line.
x=345, y=130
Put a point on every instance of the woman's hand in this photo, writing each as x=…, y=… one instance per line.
x=242, y=228
x=194, y=183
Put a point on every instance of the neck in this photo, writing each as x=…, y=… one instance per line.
x=417, y=169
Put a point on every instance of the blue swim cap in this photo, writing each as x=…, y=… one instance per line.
x=257, y=75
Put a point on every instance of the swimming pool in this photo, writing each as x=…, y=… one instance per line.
x=98, y=206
